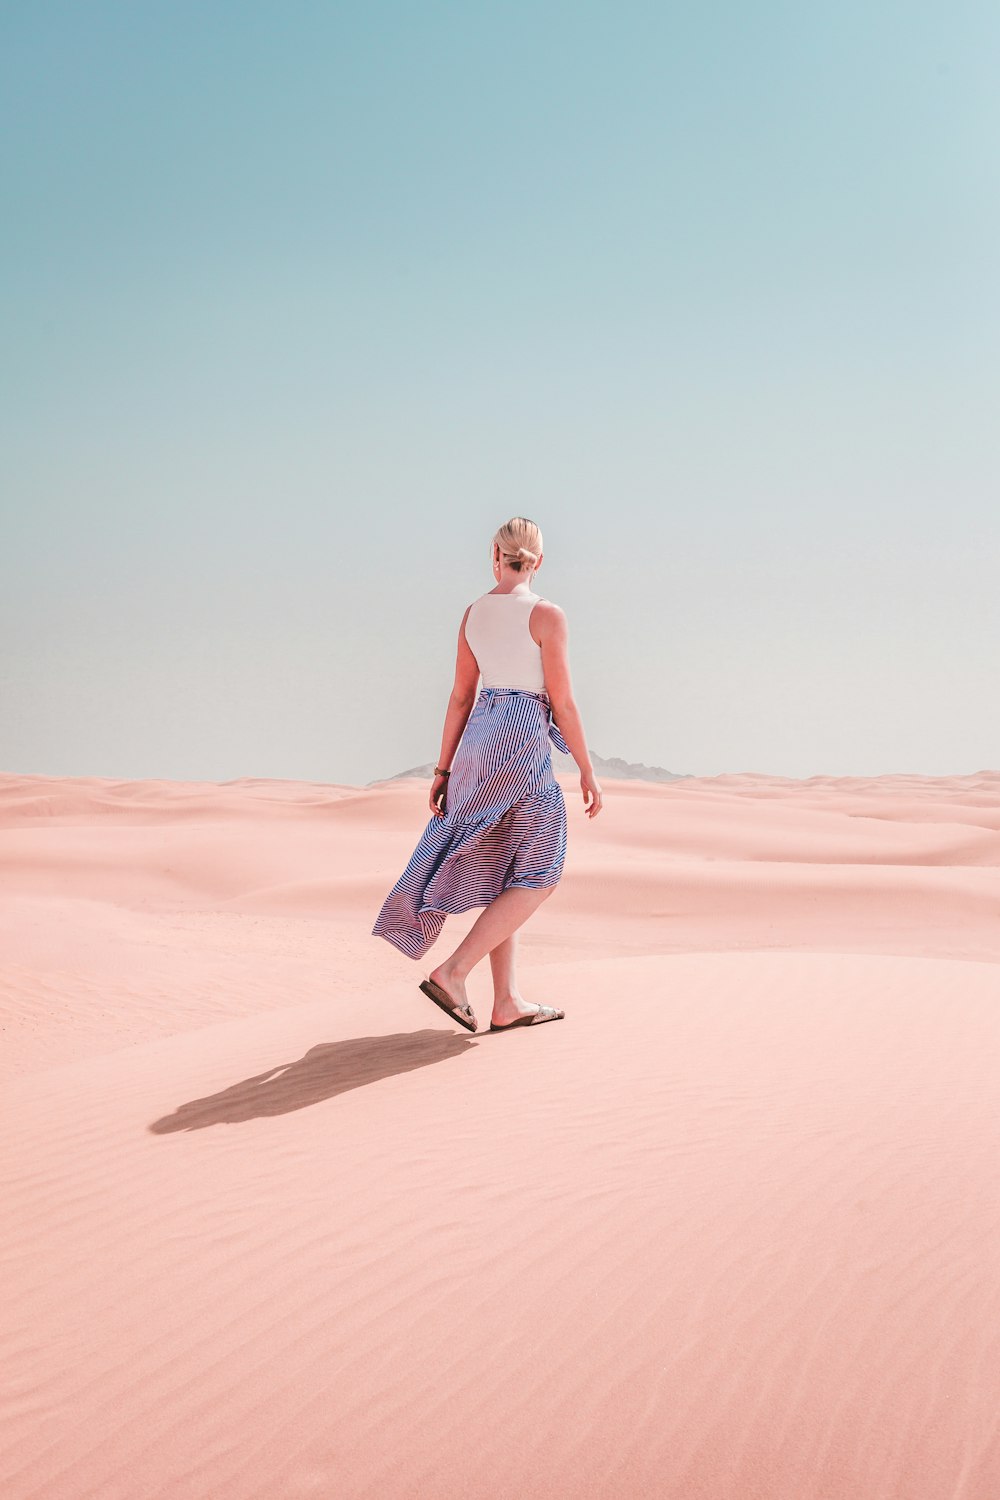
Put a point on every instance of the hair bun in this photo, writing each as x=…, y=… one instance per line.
x=519, y=541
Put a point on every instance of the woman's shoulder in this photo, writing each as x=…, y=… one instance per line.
x=549, y=620
x=547, y=607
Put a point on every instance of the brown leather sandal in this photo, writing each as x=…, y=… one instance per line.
x=543, y=1013
x=463, y=1014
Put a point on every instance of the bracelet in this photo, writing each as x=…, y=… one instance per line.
x=438, y=772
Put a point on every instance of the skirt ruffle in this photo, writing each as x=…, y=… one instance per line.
x=504, y=824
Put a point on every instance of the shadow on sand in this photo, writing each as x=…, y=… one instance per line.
x=325, y=1071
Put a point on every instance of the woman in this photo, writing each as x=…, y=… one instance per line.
x=497, y=835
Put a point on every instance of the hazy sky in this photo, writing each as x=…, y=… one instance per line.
x=301, y=301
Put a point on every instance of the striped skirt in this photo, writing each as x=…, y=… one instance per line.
x=504, y=823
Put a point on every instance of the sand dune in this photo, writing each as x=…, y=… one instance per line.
x=274, y=1228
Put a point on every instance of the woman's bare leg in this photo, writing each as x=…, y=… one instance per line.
x=508, y=1002
x=503, y=961
x=494, y=925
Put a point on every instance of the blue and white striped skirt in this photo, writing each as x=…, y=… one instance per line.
x=504, y=823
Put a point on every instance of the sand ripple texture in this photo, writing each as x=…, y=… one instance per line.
x=273, y=1228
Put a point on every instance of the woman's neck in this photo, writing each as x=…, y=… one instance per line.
x=519, y=586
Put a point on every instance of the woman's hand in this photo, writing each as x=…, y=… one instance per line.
x=589, y=785
x=439, y=789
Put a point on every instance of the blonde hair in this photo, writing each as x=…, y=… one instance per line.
x=520, y=543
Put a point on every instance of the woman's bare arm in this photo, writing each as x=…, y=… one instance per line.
x=553, y=637
x=460, y=705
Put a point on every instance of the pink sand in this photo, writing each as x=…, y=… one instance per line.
x=273, y=1227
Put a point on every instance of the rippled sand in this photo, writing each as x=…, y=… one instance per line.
x=274, y=1228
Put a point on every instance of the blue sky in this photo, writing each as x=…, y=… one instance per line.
x=302, y=301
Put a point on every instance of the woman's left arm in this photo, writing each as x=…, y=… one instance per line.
x=460, y=705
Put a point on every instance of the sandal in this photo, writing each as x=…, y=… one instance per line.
x=463, y=1014
x=543, y=1013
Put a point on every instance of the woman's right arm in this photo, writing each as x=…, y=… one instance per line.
x=553, y=633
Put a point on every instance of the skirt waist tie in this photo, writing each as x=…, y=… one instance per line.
x=554, y=732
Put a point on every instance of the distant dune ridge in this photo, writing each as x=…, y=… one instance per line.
x=615, y=767
x=274, y=1228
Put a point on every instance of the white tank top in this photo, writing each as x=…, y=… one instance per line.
x=496, y=629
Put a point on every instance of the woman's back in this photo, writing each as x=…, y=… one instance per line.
x=497, y=631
